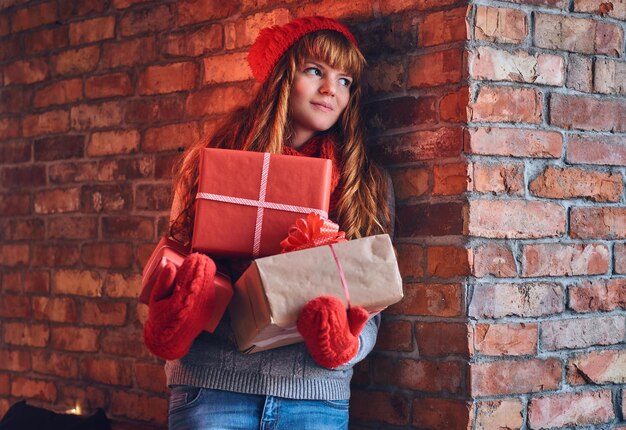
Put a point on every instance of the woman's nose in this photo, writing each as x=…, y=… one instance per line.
x=328, y=87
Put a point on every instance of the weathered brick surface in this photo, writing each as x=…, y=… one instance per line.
x=505, y=339
x=523, y=300
x=597, y=295
x=601, y=150
x=597, y=367
x=586, y=113
x=557, y=259
x=572, y=409
x=500, y=25
x=381, y=407
x=395, y=336
x=511, y=377
x=600, y=222
x=421, y=375
x=430, y=300
x=499, y=414
x=493, y=259
x=433, y=414
x=507, y=104
x=567, y=183
x=582, y=332
x=500, y=178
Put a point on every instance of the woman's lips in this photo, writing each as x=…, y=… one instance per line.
x=324, y=107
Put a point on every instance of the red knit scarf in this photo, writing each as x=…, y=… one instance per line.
x=323, y=146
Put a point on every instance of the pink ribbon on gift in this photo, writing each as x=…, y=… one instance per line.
x=261, y=204
x=316, y=231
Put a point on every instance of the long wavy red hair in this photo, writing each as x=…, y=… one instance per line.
x=264, y=126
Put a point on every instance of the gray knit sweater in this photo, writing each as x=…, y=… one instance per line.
x=289, y=371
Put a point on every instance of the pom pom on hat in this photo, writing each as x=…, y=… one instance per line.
x=273, y=42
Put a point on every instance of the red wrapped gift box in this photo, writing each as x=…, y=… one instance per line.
x=247, y=200
x=170, y=250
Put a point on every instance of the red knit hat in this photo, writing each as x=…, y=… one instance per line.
x=273, y=42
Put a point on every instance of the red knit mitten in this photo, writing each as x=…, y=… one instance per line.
x=180, y=306
x=331, y=334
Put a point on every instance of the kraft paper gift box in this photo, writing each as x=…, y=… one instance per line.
x=270, y=294
x=170, y=250
x=247, y=200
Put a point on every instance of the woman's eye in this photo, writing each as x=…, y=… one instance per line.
x=345, y=82
x=313, y=71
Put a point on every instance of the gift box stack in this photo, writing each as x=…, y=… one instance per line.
x=245, y=206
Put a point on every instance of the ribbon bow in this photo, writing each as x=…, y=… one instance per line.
x=311, y=232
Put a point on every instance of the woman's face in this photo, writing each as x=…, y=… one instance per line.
x=319, y=96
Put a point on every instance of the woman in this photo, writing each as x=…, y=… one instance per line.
x=308, y=104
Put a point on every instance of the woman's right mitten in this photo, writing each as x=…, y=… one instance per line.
x=180, y=306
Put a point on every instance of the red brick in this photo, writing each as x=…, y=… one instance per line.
x=120, y=285
x=599, y=222
x=561, y=183
x=150, y=377
x=410, y=260
x=168, y=78
x=103, y=313
x=15, y=204
x=9, y=128
x=10, y=48
x=73, y=228
x=581, y=35
x=499, y=414
x=243, y=32
x=587, y=113
x=57, y=309
x=603, y=150
x=26, y=334
x=400, y=112
x=86, y=117
x=514, y=142
x=491, y=64
x=443, y=27
x=442, y=339
x=88, y=397
x=57, y=201
x=113, y=142
x=128, y=227
x=213, y=101
x=419, y=145
x=498, y=178
x=410, y=182
x=579, y=73
x=388, y=8
x=55, y=255
x=33, y=16
x=107, y=255
x=597, y=368
x=153, y=197
x=12, y=281
x=16, y=360
x=395, y=335
x=597, y=295
x=55, y=121
x=447, y=261
x=37, y=282
x=507, y=104
x=74, y=339
x=36, y=389
x=609, y=76
x=92, y=30
x=436, y=414
x=560, y=4
x=515, y=219
x=15, y=99
x=46, y=39
x=436, y=219
x=24, y=229
x=129, y=53
x=620, y=258
x=437, y=68
x=106, y=371
x=14, y=255
x=582, y=332
x=59, y=148
x=13, y=306
x=226, y=68
x=380, y=406
x=106, y=198
x=450, y=179
x=125, y=343
x=153, y=19
x=511, y=377
x=194, y=44
x=614, y=9
x=453, y=106
x=357, y=8
x=443, y=300
x=55, y=363
x=571, y=409
x=32, y=175
x=500, y=25
x=78, y=282
x=4, y=384
x=76, y=61
x=190, y=11
x=421, y=375
x=60, y=92
x=138, y=406
x=384, y=77
x=505, y=339
x=520, y=300
x=25, y=72
x=558, y=259
x=154, y=111
x=493, y=259
x=115, y=84
x=170, y=137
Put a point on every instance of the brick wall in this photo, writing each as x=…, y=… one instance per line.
x=503, y=124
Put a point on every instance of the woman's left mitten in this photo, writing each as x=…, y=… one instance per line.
x=180, y=306
x=331, y=334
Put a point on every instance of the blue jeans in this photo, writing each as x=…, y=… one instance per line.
x=193, y=408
